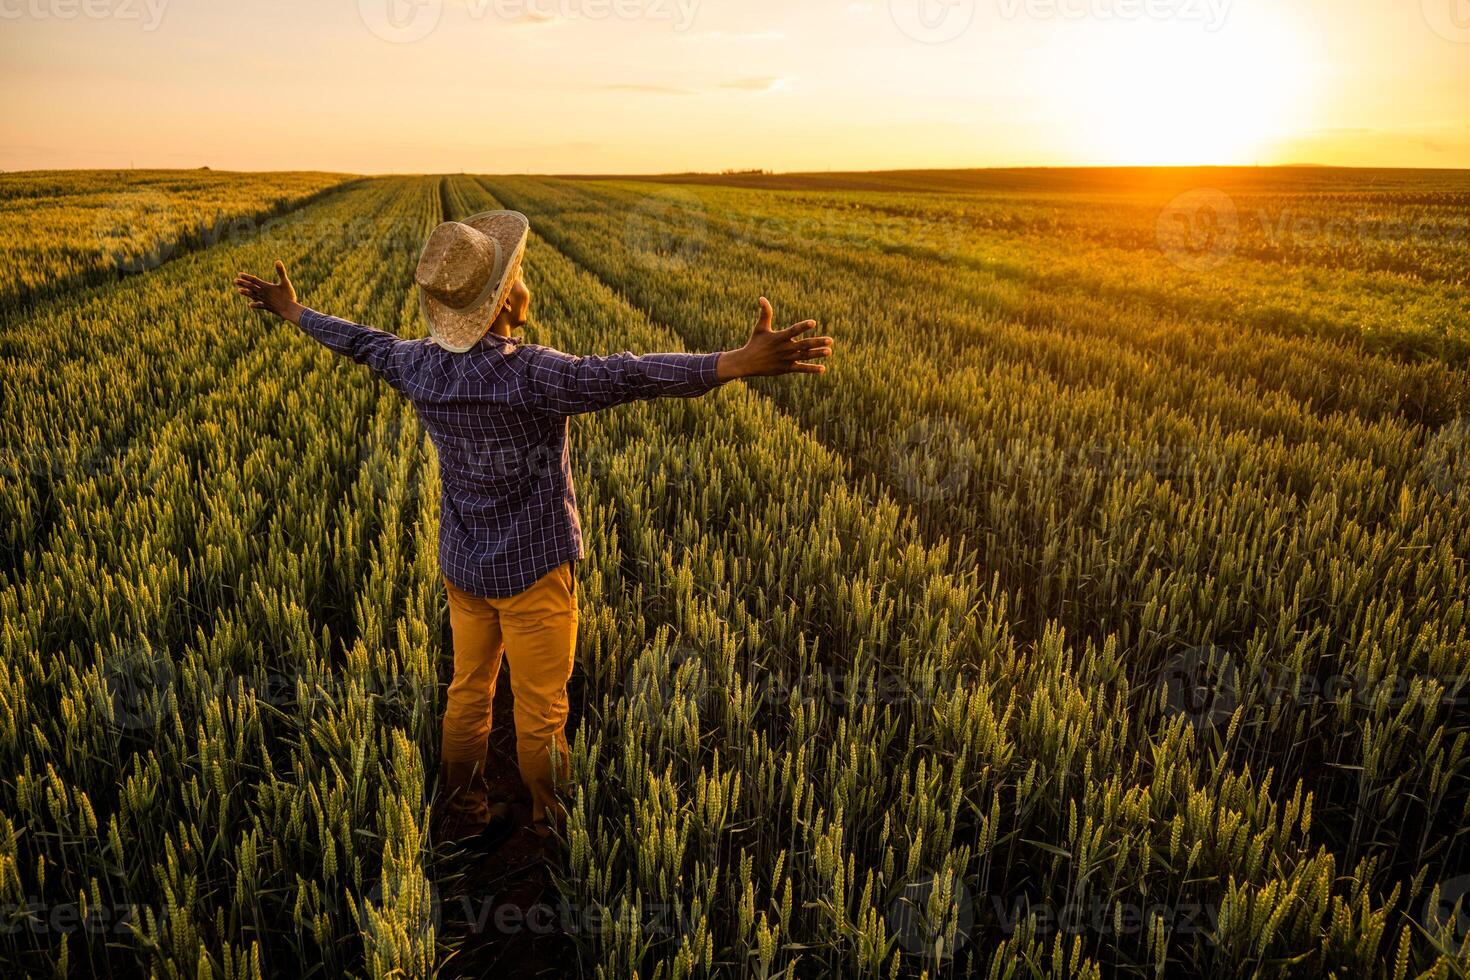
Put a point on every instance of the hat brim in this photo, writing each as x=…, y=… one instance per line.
x=460, y=330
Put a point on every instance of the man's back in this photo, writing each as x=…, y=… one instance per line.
x=498, y=417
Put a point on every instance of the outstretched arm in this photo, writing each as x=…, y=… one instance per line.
x=569, y=385
x=378, y=350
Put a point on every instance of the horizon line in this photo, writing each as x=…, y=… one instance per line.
x=747, y=172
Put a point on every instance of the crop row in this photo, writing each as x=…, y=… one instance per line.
x=67, y=230
x=1279, y=264
x=219, y=664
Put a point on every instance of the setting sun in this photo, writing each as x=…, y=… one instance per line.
x=1177, y=93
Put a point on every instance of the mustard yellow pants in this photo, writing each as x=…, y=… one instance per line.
x=537, y=631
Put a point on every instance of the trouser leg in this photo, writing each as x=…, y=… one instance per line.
x=540, y=629
x=478, y=649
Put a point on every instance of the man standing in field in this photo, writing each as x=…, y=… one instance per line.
x=497, y=410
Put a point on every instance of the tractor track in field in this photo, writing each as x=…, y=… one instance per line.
x=494, y=907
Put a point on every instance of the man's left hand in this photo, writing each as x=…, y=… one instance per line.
x=273, y=297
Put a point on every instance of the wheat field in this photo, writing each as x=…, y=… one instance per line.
x=1102, y=612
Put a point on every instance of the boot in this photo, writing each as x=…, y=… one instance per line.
x=461, y=810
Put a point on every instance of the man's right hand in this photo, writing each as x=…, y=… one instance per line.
x=771, y=352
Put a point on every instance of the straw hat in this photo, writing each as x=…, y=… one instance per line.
x=465, y=273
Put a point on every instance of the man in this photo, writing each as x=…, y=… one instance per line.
x=497, y=411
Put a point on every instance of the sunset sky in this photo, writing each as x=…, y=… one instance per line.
x=587, y=86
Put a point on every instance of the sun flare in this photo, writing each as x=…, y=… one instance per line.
x=1176, y=93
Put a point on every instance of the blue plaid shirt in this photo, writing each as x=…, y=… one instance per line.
x=498, y=416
